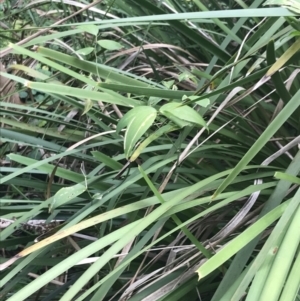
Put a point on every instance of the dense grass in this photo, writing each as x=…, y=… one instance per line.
x=149, y=150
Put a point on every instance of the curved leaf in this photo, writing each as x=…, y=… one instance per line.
x=185, y=113
x=110, y=45
x=137, y=121
x=66, y=194
x=85, y=51
x=90, y=28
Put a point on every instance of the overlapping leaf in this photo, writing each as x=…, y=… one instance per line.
x=137, y=121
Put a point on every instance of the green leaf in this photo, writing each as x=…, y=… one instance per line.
x=107, y=160
x=137, y=127
x=179, y=122
x=161, y=131
x=92, y=29
x=280, y=269
x=294, y=22
x=81, y=93
x=185, y=113
x=152, y=101
x=273, y=127
x=104, y=71
x=88, y=104
x=183, y=76
x=137, y=121
x=292, y=5
x=285, y=219
x=203, y=102
x=31, y=72
x=287, y=177
x=284, y=58
x=240, y=241
x=85, y=51
x=65, y=195
x=292, y=284
x=295, y=34
x=168, y=84
x=157, y=93
x=110, y=45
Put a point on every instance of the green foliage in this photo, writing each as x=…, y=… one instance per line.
x=137, y=121
x=153, y=143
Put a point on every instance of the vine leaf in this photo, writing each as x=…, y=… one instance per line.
x=110, y=45
x=66, y=194
x=137, y=121
x=90, y=28
x=85, y=51
x=182, y=115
